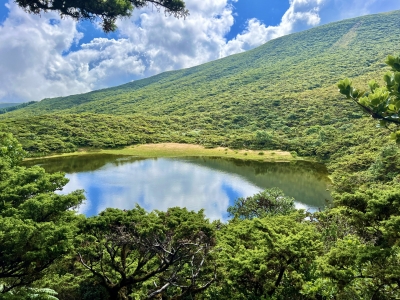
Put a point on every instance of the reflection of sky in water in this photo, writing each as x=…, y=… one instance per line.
x=159, y=184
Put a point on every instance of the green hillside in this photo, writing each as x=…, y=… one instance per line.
x=284, y=68
x=282, y=94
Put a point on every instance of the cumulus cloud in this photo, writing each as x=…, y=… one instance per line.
x=31, y=61
x=36, y=60
x=159, y=184
x=301, y=14
x=163, y=183
x=169, y=43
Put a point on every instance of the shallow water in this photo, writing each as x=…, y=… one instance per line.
x=197, y=183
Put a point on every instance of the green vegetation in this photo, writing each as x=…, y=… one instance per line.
x=268, y=203
x=35, y=222
x=107, y=11
x=178, y=150
x=281, y=95
x=163, y=252
x=117, y=252
x=267, y=258
x=6, y=107
x=382, y=104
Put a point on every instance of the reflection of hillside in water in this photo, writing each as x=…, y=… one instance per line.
x=305, y=181
x=82, y=163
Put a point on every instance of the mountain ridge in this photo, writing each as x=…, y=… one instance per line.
x=281, y=95
x=262, y=61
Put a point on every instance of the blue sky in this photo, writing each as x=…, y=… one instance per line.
x=45, y=56
x=269, y=12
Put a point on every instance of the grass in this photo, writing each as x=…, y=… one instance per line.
x=281, y=95
x=186, y=150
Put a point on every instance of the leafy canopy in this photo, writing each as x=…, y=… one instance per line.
x=382, y=103
x=167, y=254
x=36, y=224
x=270, y=202
x=107, y=10
x=10, y=149
x=262, y=258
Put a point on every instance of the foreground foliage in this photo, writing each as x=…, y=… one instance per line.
x=107, y=11
x=127, y=253
x=167, y=254
x=36, y=224
x=268, y=257
x=382, y=103
x=269, y=250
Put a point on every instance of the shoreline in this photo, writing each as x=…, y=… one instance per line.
x=184, y=150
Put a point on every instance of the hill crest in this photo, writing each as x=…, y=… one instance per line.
x=311, y=59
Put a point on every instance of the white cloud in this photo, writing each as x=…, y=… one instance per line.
x=301, y=14
x=36, y=60
x=31, y=61
x=33, y=65
x=169, y=43
x=163, y=183
x=159, y=184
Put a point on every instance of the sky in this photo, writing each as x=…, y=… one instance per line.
x=164, y=182
x=45, y=56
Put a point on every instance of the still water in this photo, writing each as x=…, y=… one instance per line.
x=209, y=183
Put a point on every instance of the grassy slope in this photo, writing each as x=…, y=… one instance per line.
x=288, y=67
x=182, y=150
x=281, y=95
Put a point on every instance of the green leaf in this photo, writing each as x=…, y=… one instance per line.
x=373, y=85
x=345, y=87
x=382, y=123
x=388, y=78
x=375, y=100
x=390, y=60
x=397, y=77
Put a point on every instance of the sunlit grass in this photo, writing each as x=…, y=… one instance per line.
x=187, y=150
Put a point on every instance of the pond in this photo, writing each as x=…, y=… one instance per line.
x=197, y=183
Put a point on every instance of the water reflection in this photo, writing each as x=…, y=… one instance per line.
x=196, y=183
